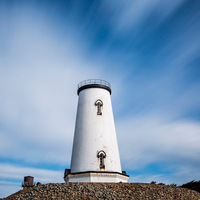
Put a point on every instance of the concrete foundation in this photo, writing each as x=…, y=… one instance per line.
x=111, y=177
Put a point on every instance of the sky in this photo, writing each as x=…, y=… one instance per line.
x=148, y=50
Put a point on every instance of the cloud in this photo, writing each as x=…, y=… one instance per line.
x=12, y=172
x=13, y=175
x=40, y=70
x=156, y=136
x=178, y=175
x=38, y=79
x=132, y=15
x=144, y=49
x=157, y=139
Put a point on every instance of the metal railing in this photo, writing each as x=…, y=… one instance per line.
x=94, y=81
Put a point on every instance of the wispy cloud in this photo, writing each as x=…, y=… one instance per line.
x=38, y=94
x=159, y=136
x=12, y=172
x=155, y=139
x=13, y=176
x=132, y=15
x=148, y=51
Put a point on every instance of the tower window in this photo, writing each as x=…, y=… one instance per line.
x=101, y=155
x=99, y=105
x=101, y=165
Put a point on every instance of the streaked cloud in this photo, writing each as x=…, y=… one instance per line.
x=9, y=171
x=147, y=50
x=131, y=15
x=38, y=86
x=14, y=175
x=154, y=139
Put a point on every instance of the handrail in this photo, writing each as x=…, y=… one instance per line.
x=94, y=81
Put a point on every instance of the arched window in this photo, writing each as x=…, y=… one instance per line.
x=101, y=155
x=99, y=104
x=101, y=165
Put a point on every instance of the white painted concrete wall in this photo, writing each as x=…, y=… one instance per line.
x=94, y=133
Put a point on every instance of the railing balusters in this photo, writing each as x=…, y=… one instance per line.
x=94, y=81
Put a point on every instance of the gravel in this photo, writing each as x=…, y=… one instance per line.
x=111, y=191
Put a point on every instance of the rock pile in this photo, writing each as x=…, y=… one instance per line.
x=104, y=191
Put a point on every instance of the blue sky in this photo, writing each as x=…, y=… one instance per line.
x=147, y=50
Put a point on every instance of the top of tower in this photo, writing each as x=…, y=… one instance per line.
x=93, y=83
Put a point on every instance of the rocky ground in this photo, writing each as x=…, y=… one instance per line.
x=104, y=191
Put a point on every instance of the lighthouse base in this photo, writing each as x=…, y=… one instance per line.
x=110, y=177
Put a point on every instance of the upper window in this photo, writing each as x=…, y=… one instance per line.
x=99, y=105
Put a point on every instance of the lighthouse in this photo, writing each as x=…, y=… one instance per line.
x=95, y=153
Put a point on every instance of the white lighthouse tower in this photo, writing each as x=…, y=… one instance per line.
x=95, y=154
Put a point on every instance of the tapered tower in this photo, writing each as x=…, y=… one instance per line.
x=95, y=154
